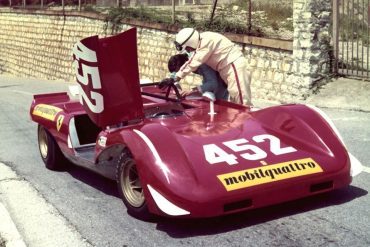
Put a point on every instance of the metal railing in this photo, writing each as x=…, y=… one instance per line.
x=351, y=35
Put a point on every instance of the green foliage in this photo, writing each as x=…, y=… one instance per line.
x=275, y=25
x=190, y=19
x=223, y=25
x=275, y=11
x=224, y=21
x=90, y=8
x=219, y=24
x=278, y=13
x=115, y=15
x=241, y=3
x=352, y=29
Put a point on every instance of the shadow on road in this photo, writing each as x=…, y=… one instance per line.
x=92, y=179
x=178, y=228
x=182, y=228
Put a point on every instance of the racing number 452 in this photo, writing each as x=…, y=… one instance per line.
x=214, y=154
x=90, y=74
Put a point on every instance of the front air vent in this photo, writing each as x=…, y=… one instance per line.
x=321, y=186
x=238, y=205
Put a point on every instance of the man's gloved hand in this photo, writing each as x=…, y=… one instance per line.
x=166, y=83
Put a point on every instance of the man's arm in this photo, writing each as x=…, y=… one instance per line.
x=200, y=56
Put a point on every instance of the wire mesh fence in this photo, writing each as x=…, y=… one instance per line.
x=261, y=18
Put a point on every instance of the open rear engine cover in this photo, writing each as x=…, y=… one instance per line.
x=108, y=77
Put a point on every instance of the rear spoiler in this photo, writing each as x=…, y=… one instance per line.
x=51, y=98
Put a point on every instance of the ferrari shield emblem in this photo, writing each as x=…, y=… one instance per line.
x=60, y=122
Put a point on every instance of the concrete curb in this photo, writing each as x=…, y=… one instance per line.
x=38, y=222
x=8, y=230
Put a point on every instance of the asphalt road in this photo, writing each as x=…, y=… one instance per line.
x=91, y=204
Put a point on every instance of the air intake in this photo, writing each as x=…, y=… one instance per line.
x=321, y=186
x=238, y=205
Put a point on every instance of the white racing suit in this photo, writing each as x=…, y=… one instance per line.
x=223, y=56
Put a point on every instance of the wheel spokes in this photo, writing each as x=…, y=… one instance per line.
x=132, y=188
x=43, y=143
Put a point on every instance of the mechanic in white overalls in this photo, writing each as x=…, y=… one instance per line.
x=220, y=54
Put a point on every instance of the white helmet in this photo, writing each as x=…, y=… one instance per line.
x=187, y=37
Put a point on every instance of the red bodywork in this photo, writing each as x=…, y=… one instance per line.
x=208, y=165
x=108, y=77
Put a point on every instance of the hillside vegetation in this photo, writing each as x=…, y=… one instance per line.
x=268, y=19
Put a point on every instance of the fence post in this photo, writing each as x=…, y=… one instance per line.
x=213, y=11
x=249, y=15
x=336, y=34
x=368, y=15
x=79, y=5
x=173, y=12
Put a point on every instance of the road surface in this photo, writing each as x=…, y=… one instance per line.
x=91, y=205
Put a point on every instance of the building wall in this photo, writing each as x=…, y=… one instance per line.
x=38, y=44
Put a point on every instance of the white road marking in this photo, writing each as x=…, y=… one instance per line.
x=366, y=169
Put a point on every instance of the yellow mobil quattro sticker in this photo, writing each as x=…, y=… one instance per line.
x=46, y=111
x=268, y=174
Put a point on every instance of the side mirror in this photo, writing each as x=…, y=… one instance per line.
x=208, y=96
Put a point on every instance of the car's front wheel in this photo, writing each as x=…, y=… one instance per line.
x=130, y=188
x=49, y=150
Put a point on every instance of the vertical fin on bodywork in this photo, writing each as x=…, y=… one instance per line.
x=107, y=74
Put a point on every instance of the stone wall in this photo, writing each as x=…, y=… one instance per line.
x=270, y=70
x=311, y=46
x=38, y=44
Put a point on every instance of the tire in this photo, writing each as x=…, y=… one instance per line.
x=50, y=151
x=130, y=189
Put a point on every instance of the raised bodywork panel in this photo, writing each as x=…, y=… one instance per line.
x=108, y=77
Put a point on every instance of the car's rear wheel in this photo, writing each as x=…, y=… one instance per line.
x=130, y=188
x=49, y=150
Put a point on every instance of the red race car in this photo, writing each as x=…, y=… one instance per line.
x=192, y=157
